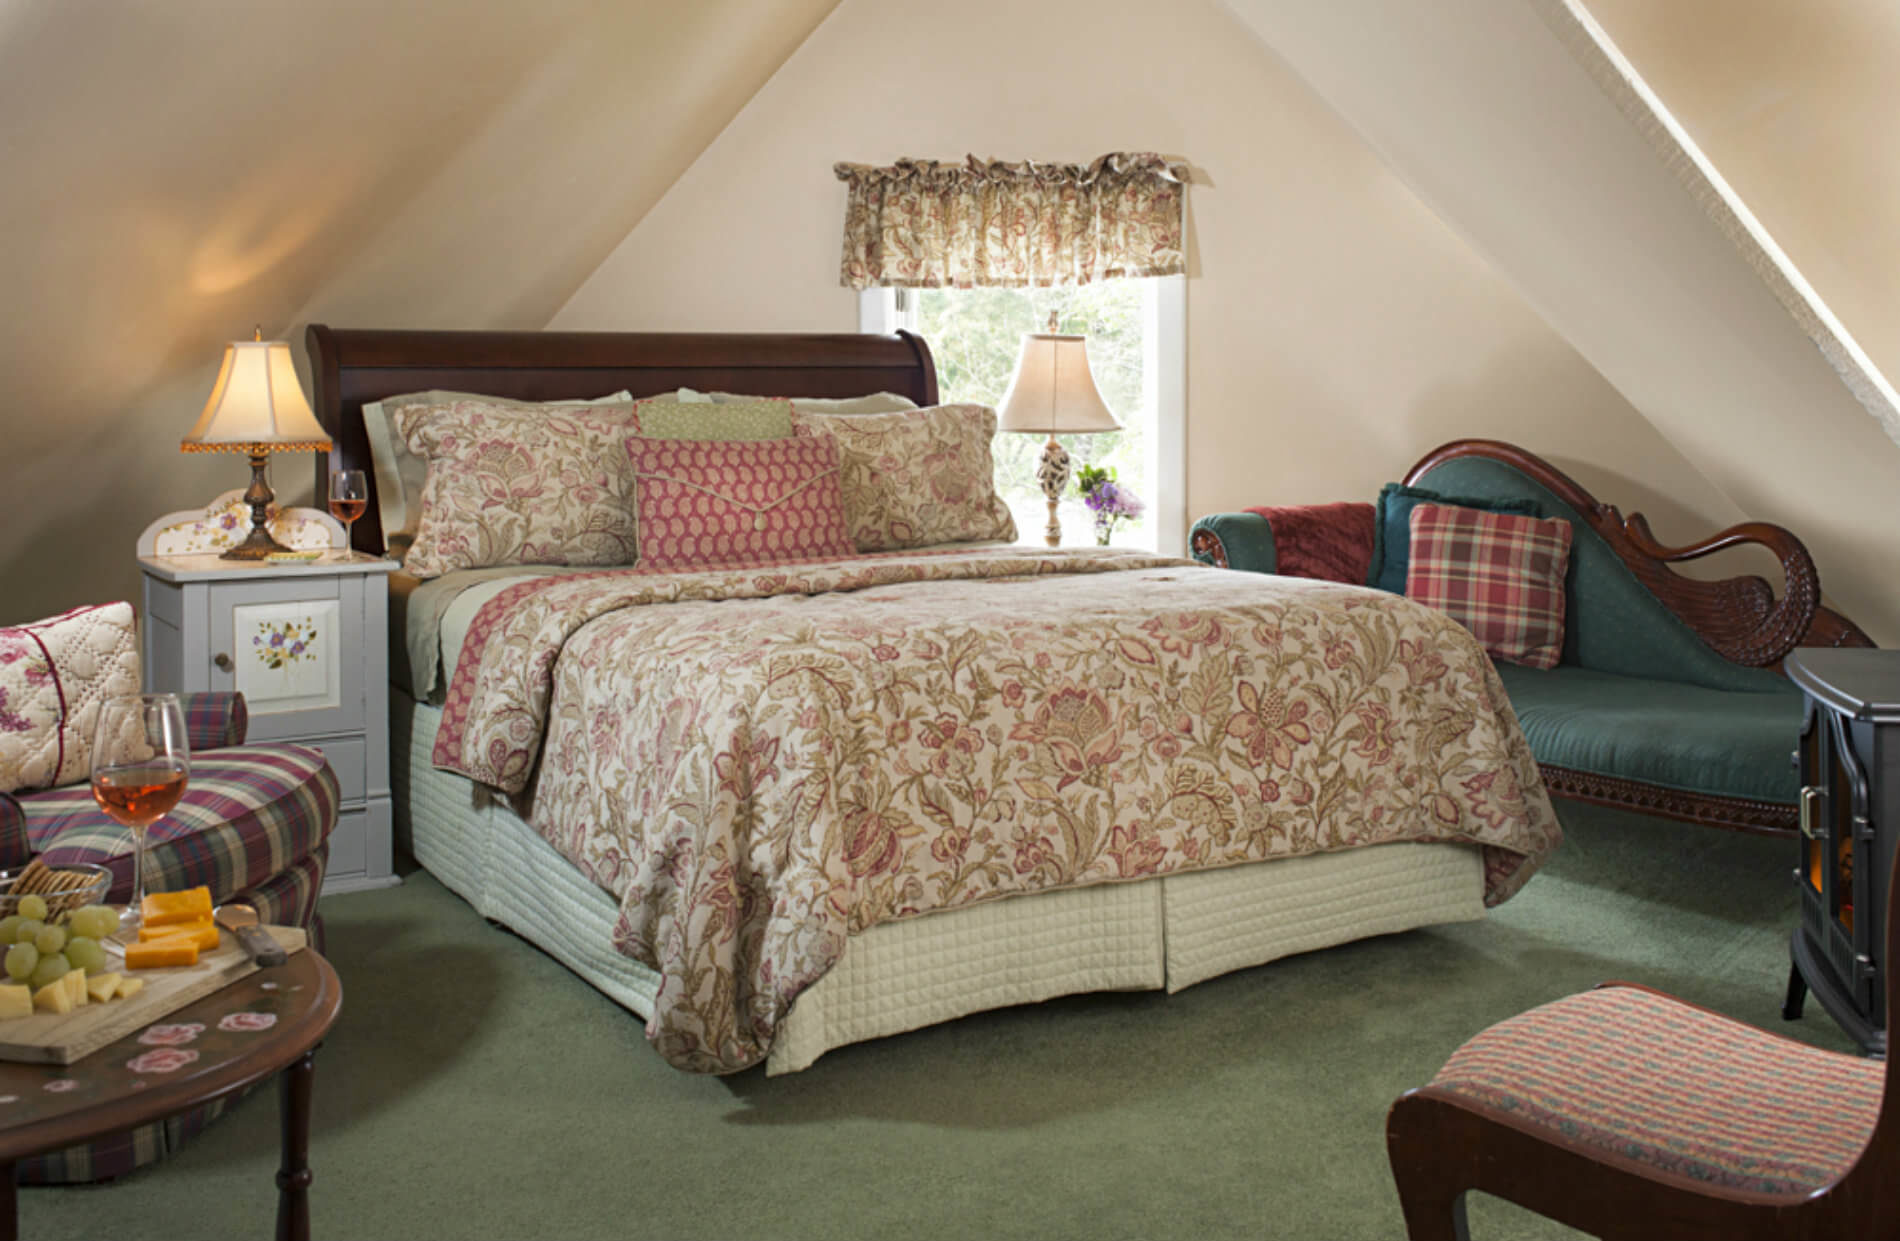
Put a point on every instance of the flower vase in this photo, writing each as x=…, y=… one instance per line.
x=1104, y=527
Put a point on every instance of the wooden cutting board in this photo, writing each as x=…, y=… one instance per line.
x=49, y=1038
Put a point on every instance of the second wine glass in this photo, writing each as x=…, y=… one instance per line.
x=140, y=763
x=349, y=500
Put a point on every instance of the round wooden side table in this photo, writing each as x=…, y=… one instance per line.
x=267, y=1023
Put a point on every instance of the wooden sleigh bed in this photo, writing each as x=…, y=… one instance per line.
x=1167, y=931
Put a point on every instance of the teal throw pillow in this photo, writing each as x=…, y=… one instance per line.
x=1392, y=531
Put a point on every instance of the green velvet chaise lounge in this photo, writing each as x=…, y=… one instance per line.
x=1668, y=699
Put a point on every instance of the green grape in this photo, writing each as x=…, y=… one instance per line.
x=92, y=921
x=86, y=954
x=21, y=958
x=10, y=929
x=28, y=930
x=50, y=939
x=50, y=969
x=33, y=906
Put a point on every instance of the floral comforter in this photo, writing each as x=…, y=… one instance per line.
x=760, y=762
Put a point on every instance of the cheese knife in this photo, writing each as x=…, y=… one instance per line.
x=241, y=921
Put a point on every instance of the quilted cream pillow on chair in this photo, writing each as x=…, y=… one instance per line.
x=53, y=676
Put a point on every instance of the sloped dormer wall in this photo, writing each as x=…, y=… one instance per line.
x=1337, y=329
x=176, y=171
x=1491, y=118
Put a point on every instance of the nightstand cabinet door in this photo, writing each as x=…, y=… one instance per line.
x=307, y=649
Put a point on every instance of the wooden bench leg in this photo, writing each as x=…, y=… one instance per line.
x=294, y=1177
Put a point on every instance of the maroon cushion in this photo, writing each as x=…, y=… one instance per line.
x=1332, y=542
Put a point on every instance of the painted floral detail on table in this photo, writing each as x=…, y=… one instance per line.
x=172, y=1035
x=836, y=745
x=162, y=1060
x=284, y=643
x=227, y=520
x=60, y=1085
x=247, y=1021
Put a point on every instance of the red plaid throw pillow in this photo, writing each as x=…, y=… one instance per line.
x=1499, y=575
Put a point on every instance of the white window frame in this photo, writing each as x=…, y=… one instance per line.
x=1164, y=310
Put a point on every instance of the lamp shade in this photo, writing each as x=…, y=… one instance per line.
x=257, y=405
x=1053, y=391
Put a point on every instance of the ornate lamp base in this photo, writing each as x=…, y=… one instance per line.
x=1052, y=471
x=258, y=544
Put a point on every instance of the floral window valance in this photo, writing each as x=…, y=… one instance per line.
x=922, y=224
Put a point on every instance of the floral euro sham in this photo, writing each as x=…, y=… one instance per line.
x=916, y=479
x=759, y=763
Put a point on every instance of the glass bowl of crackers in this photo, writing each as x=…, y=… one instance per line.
x=63, y=888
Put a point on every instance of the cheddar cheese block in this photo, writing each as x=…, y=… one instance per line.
x=75, y=984
x=156, y=953
x=129, y=987
x=204, y=934
x=164, y=908
x=16, y=1000
x=102, y=987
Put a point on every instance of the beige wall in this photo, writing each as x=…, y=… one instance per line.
x=178, y=170
x=1494, y=120
x=1795, y=103
x=1336, y=328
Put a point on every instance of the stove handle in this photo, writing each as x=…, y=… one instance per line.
x=1810, y=798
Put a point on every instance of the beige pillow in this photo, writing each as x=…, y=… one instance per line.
x=513, y=484
x=53, y=676
x=916, y=479
x=400, y=474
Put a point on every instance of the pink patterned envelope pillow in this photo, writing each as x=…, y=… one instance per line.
x=514, y=484
x=53, y=676
x=1498, y=574
x=723, y=502
x=916, y=479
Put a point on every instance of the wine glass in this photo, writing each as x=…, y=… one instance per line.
x=349, y=499
x=140, y=762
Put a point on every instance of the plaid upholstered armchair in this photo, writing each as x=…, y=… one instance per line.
x=253, y=826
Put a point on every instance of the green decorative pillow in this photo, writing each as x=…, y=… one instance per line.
x=667, y=419
x=1392, y=528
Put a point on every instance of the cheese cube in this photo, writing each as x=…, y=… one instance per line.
x=172, y=950
x=164, y=908
x=54, y=997
x=204, y=933
x=75, y=982
x=16, y=1000
x=129, y=987
x=102, y=987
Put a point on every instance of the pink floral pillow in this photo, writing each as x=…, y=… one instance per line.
x=706, y=503
x=917, y=478
x=53, y=676
x=512, y=484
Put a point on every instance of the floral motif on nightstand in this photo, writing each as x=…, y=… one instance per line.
x=284, y=643
x=227, y=520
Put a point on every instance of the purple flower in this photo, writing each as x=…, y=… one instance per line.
x=1113, y=500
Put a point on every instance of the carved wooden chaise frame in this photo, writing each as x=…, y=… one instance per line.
x=1739, y=617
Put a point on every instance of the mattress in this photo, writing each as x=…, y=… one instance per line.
x=1167, y=932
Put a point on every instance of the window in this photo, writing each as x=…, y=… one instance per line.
x=1137, y=352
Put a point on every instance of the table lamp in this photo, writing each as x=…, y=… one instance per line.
x=1054, y=391
x=257, y=407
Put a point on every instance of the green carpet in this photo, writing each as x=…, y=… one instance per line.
x=474, y=1088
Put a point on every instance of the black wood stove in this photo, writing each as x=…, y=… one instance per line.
x=1849, y=763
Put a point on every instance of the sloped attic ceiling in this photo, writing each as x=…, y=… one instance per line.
x=1487, y=114
x=179, y=170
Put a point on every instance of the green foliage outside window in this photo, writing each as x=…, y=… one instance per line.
x=975, y=335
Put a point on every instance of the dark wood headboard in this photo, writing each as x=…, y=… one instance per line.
x=350, y=368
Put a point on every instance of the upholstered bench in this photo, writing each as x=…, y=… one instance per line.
x=253, y=826
x=1667, y=699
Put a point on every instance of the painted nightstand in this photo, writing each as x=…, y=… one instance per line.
x=307, y=646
